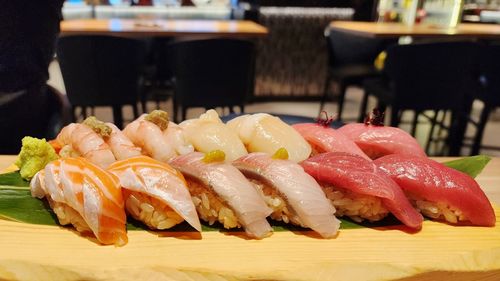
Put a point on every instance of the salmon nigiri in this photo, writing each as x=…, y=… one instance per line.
x=222, y=193
x=439, y=192
x=358, y=190
x=377, y=140
x=327, y=139
x=84, y=195
x=155, y=193
x=293, y=194
x=262, y=132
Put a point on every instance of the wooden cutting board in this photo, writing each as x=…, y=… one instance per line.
x=437, y=252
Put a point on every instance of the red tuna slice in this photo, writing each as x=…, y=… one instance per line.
x=428, y=180
x=360, y=176
x=326, y=139
x=377, y=141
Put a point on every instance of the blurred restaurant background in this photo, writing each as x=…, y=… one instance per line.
x=434, y=65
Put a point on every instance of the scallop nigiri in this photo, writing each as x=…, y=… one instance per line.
x=358, y=190
x=326, y=139
x=377, y=140
x=262, y=132
x=439, y=192
x=221, y=193
x=155, y=193
x=208, y=133
x=293, y=194
x=84, y=195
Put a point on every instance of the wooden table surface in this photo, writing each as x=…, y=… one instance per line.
x=437, y=252
x=161, y=28
x=394, y=30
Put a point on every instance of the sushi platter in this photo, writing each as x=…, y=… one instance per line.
x=253, y=199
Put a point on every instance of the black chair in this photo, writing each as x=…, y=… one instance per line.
x=351, y=60
x=489, y=93
x=433, y=76
x=102, y=71
x=212, y=73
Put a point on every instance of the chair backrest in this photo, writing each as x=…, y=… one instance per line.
x=490, y=74
x=100, y=70
x=212, y=72
x=346, y=48
x=433, y=75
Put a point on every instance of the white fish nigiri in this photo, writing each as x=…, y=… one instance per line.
x=209, y=133
x=262, y=132
x=84, y=195
x=292, y=193
x=155, y=193
x=221, y=193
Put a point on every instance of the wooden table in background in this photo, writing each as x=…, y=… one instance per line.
x=395, y=30
x=163, y=28
x=437, y=252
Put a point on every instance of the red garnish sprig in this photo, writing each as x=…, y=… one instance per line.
x=375, y=118
x=325, y=122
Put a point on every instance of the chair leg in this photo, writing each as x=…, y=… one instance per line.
x=325, y=93
x=340, y=108
x=175, y=108
x=414, y=123
x=92, y=110
x=242, y=108
x=431, y=131
x=117, y=116
x=84, y=112
x=135, y=108
x=478, y=138
x=75, y=116
x=395, y=117
x=362, y=108
x=184, y=113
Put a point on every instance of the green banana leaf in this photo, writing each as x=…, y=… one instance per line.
x=17, y=204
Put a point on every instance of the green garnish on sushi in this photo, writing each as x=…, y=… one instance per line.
x=98, y=126
x=159, y=118
x=214, y=156
x=281, y=154
x=35, y=155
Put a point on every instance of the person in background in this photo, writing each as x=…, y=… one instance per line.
x=28, y=34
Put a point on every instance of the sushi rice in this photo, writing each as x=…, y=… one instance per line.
x=67, y=215
x=149, y=210
x=210, y=207
x=358, y=207
x=439, y=211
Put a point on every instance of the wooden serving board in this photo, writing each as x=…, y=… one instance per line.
x=439, y=251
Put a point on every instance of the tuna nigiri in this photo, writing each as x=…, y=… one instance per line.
x=292, y=194
x=155, y=193
x=376, y=140
x=358, y=190
x=222, y=193
x=208, y=133
x=439, y=192
x=262, y=132
x=326, y=139
x=84, y=195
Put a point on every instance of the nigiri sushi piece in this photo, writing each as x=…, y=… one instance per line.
x=437, y=191
x=121, y=146
x=262, y=132
x=377, y=140
x=147, y=132
x=80, y=140
x=175, y=136
x=208, y=133
x=326, y=139
x=221, y=193
x=358, y=190
x=84, y=195
x=293, y=194
x=155, y=193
